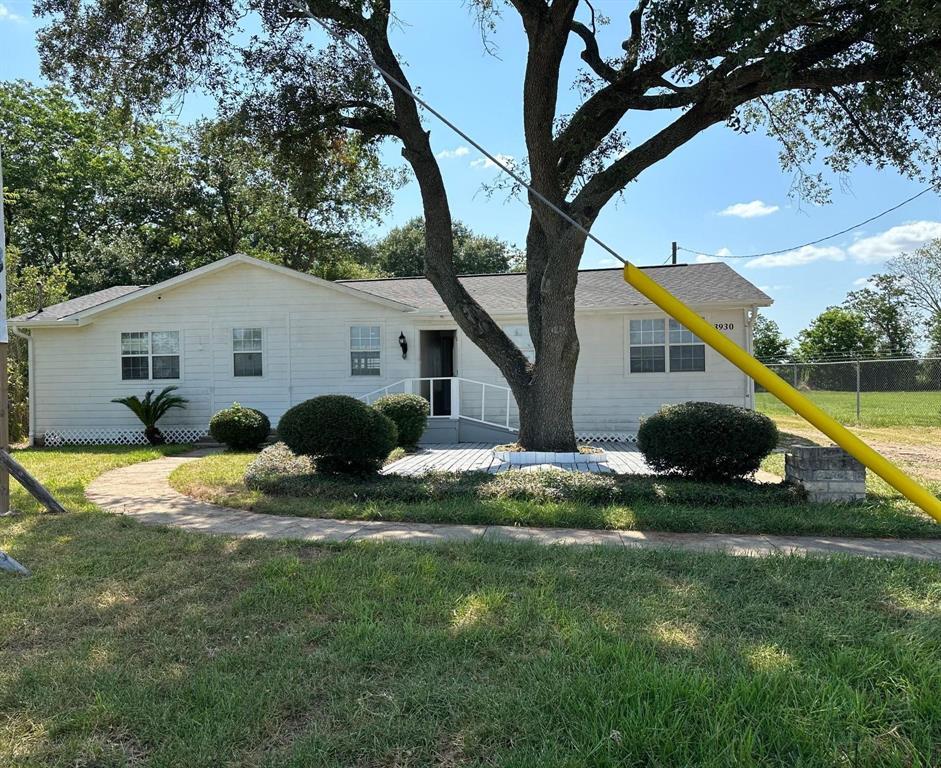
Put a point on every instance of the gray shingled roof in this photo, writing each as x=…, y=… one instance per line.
x=70, y=307
x=693, y=284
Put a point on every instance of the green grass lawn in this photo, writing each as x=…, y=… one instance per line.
x=135, y=646
x=877, y=409
x=682, y=507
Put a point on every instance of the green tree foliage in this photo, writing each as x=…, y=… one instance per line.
x=67, y=171
x=115, y=201
x=244, y=199
x=886, y=307
x=934, y=336
x=401, y=253
x=920, y=275
x=770, y=345
x=837, y=333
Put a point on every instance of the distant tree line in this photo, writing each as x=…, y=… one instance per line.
x=897, y=314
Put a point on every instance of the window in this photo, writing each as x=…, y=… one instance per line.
x=520, y=336
x=647, y=342
x=364, y=350
x=687, y=353
x=246, y=351
x=150, y=355
x=653, y=342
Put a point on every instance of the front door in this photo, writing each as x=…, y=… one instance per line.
x=437, y=361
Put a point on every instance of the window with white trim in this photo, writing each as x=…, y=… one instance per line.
x=247, y=352
x=365, y=350
x=147, y=355
x=648, y=346
x=655, y=342
x=687, y=352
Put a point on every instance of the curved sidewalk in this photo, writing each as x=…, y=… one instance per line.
x=142, y=491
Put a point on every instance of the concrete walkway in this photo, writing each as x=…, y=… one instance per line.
x=141, y=491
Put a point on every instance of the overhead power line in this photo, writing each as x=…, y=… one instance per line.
x=493, y=158
x=812, y=242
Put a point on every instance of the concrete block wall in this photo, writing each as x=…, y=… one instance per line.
x=827, y=474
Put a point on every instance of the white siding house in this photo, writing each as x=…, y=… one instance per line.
x=268, y=337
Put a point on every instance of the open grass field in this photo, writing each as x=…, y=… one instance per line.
x=133, y=646
x=877, y=409
x=657, y=504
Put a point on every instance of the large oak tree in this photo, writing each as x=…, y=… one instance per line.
x=860, y=78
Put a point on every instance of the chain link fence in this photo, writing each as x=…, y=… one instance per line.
x=876, y=393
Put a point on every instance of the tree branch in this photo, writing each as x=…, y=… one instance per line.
x=725, y=96
x=592, y=56
x=632, y=44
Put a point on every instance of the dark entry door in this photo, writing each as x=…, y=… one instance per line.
x=437, y=360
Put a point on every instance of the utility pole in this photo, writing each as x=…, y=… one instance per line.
x=673, y=260
x=7, y=463
x=4, y=370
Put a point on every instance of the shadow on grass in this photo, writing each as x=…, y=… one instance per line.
x=140, y=645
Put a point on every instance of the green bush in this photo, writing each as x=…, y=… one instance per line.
x=707, y=441
x=240, y=428
x=410, y=414
x=341, y=434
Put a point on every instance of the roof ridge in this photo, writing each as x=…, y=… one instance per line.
x=508, y=274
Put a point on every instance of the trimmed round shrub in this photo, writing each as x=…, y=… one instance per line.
x=706, y=441
x=341, y=434
x=410, y=414
x=240, y=428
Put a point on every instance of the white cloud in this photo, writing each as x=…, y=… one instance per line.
x=771, y=288
x=903, y=238
x=701, y=258
x=751, y=210
x=7, y=15
x=486, y=162
x=859, y=282
x=448, y=154
x=805, y=255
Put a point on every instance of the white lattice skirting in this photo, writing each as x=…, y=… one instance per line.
x=57, y=437
x=606, y=437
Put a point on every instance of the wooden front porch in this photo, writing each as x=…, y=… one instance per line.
x=622, y=459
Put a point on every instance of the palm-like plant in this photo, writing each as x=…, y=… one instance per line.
x=151, y=409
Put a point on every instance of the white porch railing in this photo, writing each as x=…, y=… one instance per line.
x=457, y=398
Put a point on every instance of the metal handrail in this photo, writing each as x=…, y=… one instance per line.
x=408, y=386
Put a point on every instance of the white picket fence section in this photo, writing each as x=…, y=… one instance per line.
x=479, y=401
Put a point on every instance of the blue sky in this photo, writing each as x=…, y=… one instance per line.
x=720, y=191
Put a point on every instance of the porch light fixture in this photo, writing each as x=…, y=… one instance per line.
x=403, y=343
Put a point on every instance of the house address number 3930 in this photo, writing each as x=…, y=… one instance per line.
x=725, y=326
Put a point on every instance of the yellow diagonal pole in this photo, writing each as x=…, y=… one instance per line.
x=783, y=391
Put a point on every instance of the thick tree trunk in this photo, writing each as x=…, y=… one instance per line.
x=546, y=409
x=545, y=401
